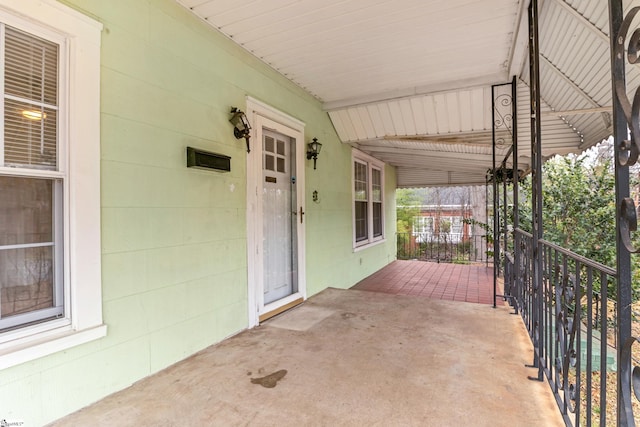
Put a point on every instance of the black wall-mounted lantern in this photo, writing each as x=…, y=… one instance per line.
x=241, y=126
x=313, y=149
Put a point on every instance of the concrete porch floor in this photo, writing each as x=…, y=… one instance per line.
x=352, y=358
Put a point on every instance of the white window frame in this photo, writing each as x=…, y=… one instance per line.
x=372, y=163
x=79, y=161
x=423, y=224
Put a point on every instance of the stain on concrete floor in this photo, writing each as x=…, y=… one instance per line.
x=271, y=380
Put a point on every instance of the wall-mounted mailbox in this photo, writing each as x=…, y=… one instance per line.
x=201, y=159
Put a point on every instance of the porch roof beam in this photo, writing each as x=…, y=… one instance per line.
x=408, y=93
x=559, y=113
x=430, y=154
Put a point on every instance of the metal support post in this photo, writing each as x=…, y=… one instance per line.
x=496, y=201
x=516, y=206
x=516, y=174
x=536, y=158
x=626, y=153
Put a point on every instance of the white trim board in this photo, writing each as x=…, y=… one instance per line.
x=261, y=116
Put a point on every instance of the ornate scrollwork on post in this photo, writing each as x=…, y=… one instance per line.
x=635, y=377
x=627, y=151
x=503, y=122
x=628, y=223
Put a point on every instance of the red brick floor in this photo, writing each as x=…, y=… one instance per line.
x=453, y=282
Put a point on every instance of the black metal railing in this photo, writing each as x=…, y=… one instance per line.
x=443, y=247
x=571, y=321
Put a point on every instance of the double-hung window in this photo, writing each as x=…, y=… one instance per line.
x=368, y=199
x=50, y=270
x=33, y=182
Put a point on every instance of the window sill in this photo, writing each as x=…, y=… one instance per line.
x=21, y=353
x=368, y=245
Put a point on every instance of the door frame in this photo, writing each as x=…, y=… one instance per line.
x=261, y=116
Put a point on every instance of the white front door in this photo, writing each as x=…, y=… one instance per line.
x=275, y=212
x=279, y=216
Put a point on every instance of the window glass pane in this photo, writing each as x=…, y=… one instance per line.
x=361, y=224
x=281, y=147
x=26, y=280
x=361, y=171
x=31, y=67
x=456, y=224
x=281, y=165
x=26, y=211
x=377, y=219
x=31, y=99
x=418, y=224
x=30, y=135
x=360, y=181
x=29, y=289
x=376, y=185
x=375, y=177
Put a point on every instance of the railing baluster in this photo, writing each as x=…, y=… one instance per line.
x=589, y=300
x=549, y=312
x=562, y=342
x=577, y=325
x=603, y=349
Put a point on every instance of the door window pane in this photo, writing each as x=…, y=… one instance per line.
x=269, y=162
x=268, y=144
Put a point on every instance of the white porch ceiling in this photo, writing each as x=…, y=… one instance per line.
x=409, y=81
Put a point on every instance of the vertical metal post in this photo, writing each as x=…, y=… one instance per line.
x=505, y=220
x=516, y=175
x=516, y=206
x=496, y=208
x=505, y=208
x=486, y=216
x=623, y=261
x=536, y=159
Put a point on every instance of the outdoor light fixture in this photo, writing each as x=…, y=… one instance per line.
x=241, y=126
x=313, y=149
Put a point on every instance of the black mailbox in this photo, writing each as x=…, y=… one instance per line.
x=201, y=159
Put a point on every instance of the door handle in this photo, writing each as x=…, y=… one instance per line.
x=301, y=215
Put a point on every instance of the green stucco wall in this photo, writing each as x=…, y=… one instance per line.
x=174, y=239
